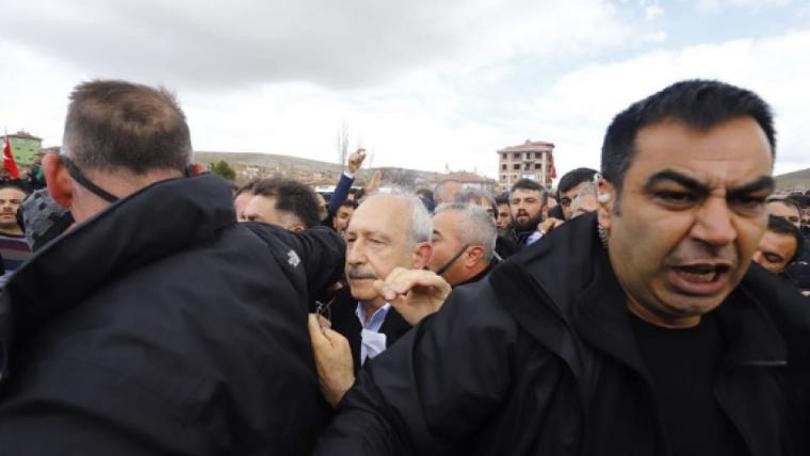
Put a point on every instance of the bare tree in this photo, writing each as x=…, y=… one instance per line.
x=343, y=143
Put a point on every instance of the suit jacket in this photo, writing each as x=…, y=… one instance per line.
x=344, y=321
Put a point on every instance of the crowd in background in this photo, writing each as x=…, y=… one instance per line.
x=150, y=308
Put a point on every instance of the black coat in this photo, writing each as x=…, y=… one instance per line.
x=344, y=321
x=163, y=327
x=540, y=359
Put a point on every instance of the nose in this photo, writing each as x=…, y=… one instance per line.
x=355, y=253
x=713, y=223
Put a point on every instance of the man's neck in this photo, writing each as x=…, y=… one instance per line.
x=657, y=319
x=11, y=231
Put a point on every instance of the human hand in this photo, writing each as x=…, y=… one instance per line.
x=547, y=225
x=356, y=160
x=373, y=184
x=333, y=359
x=414, y=293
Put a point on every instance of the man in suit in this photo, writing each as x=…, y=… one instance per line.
x=388, y=232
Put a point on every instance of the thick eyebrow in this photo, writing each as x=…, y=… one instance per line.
x=760, y=184
x=681, y=179
x=764, y=183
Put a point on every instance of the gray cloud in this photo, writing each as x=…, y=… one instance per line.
x=338, y=44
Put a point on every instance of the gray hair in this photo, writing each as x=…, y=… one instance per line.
x=475, y=227
x=475, y=197
x=421, y=229
x=118, y=124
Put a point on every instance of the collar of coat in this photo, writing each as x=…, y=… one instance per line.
x=564, y=293
x=150, y=224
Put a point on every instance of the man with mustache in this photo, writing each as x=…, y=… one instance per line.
x=640, y=329
x=528, y=201
x=386, y=232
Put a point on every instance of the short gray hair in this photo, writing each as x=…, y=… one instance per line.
x=421, y=229
x=475, y=197
x=117, y=124
x=475, y=227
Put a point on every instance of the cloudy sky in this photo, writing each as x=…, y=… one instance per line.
x=421, y=84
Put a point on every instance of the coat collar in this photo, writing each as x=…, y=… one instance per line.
x=150, y=224
x=573, y=269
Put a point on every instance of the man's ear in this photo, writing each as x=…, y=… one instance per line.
x=60, y=185
x=421, y=255
x=195, y=169
x=297, y=228
x=606, y=198
x=473, y=255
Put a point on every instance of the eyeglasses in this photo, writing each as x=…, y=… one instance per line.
x=325, y=309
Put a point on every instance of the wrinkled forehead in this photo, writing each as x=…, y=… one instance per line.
x=782, y=209
x=11, y=193
x=383, y=216
x=447, y=222
x=733, y=153
x=778, y=242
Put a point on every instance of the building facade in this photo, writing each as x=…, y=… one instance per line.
x=531, y=160
x=24, y=146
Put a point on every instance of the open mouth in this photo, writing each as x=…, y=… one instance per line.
x=702, y=273
x=700, y=279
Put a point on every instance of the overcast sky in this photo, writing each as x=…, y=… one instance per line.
x=421, y=84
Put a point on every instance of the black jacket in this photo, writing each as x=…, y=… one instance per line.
x=540, y=359
x=344, y=321
x=163, y=327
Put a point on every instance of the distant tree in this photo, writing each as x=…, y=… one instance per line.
x=223, y=169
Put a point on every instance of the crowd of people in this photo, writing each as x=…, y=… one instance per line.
x=656, y=306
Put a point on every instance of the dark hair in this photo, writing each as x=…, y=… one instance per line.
x=700, y=104
x=248, y=187
x=425, y=193
x=349, y=203
x=781, y=226
x=118, y=124
x=802, y=201
x=528, y=184
x=788, y=201
x=16, y=186
x=293, y=197
x=502, y=199
x=573, y=178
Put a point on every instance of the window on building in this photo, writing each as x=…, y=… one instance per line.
x=516, y=166
x=503, y=167
x=516, y=155
x=538, y=155
x=504, y=156
x=538, y=166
